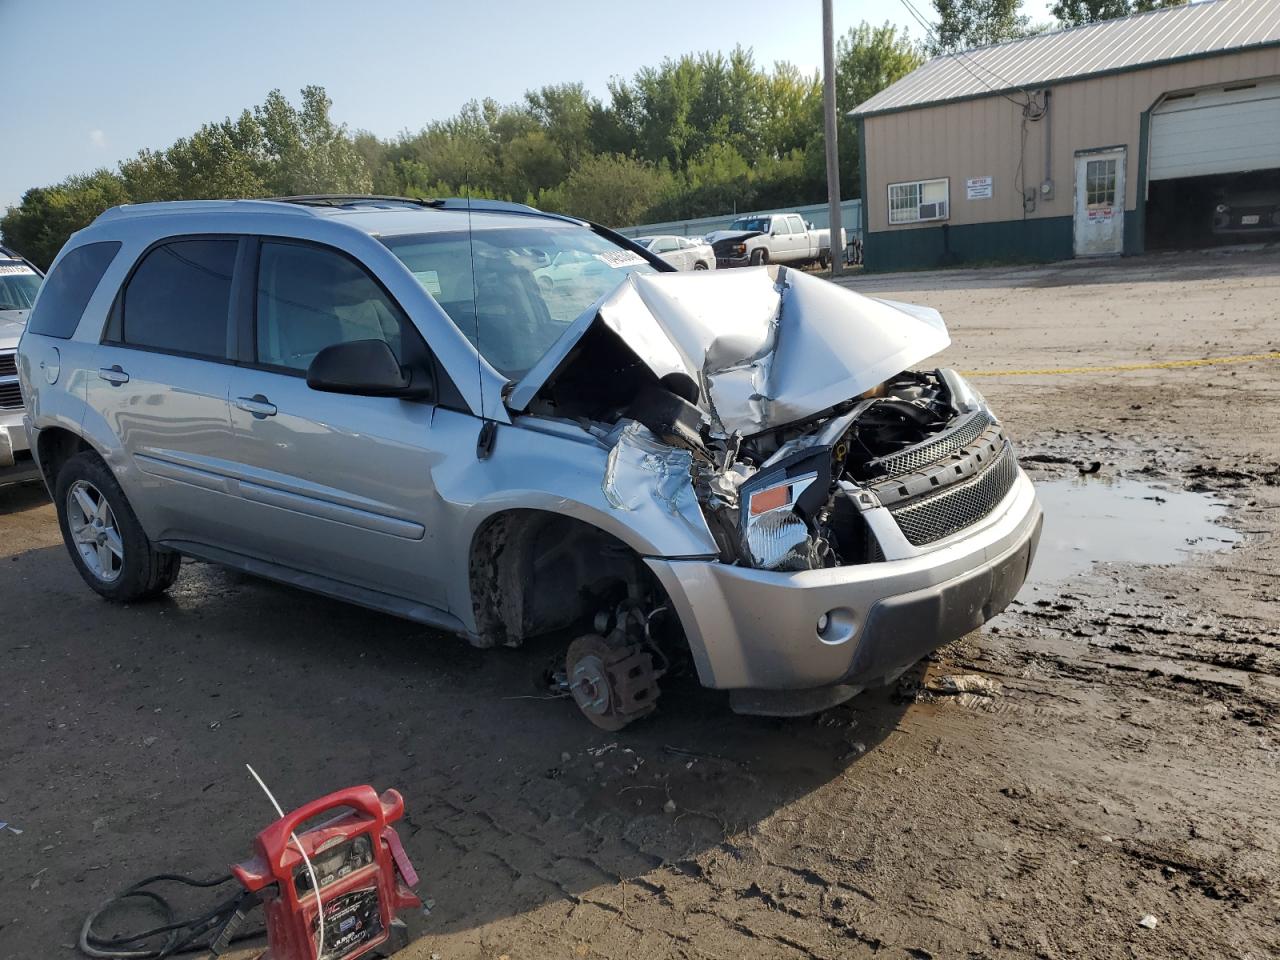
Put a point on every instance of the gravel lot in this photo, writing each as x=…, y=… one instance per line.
x=1124, y=761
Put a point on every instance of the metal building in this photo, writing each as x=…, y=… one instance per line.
x=1154, y=130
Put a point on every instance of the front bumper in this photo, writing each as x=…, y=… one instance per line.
x=724, y=263
x=13, y=439
x=757, y=630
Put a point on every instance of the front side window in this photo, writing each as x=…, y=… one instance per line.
x=513, y=291
x=309, y=298
x=68, y=288
x=918, y=200
x=178, y=298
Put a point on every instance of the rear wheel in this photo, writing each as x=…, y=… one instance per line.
x=700, y=266
x=105, y=540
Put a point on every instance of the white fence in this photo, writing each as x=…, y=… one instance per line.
x=815, y=213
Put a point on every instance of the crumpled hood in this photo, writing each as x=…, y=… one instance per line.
x=721, y=236
x=767, y=346
x=12, y=323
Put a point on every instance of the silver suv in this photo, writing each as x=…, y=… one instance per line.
x=19, y=282
x=375, y=399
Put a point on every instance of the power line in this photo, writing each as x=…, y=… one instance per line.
x=964, y=60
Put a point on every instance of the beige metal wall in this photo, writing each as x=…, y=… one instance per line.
x=978, y=138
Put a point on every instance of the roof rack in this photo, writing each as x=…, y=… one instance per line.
x=351, y=199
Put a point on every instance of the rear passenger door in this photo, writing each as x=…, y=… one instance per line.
x=334, y=485
x=161, y=385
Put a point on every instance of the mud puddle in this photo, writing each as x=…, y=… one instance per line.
x=1090, y=520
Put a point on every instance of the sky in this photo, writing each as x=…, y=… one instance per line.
x=87, y=83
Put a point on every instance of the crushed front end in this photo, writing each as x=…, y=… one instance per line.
x=864, y=513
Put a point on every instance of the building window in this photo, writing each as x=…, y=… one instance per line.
x=919, y=200
x=1100, y=182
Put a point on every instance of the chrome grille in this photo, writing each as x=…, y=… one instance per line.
x=931, y=451
x=941, y=514
x=8, y=365
x=10, y=396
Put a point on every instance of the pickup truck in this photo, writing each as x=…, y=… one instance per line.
x=771, y=238
x=19, y=282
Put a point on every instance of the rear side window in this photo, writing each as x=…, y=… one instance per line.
x=178, y=297
x=67, y=289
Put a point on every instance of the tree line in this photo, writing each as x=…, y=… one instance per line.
x=699, y=135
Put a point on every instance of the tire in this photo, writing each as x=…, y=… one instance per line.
x=107, y=544
x=700, y=266
x=759, y=257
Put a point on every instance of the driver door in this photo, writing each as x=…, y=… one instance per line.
x=333, y=484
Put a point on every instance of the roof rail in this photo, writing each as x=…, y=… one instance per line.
x=351, y=199
x=502, y=206
x=166, y=207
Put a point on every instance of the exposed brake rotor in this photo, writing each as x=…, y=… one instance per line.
x=612, y=686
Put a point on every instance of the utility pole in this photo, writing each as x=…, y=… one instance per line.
x=833, y=148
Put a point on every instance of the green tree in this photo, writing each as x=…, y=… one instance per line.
x=868, y=59
x=609, y=189
x=963, y=24
x=1073, y=13
x=39, y=226
x=304, y=150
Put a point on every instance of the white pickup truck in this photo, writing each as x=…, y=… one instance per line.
x=771, y=238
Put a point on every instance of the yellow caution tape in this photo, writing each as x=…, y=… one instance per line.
x=1166, y=365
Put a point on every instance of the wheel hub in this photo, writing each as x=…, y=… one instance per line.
x=611, y=685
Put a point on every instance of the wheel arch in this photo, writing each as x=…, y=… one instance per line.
x=532, y=571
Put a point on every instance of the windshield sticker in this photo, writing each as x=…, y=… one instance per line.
x=11, y=268
x=429, y=279
x=620, y=258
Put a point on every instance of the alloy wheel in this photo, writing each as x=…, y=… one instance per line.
x=94, y=531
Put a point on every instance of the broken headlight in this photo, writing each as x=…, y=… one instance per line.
x=774, y=535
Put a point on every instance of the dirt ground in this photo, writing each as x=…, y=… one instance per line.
x=1127, y=766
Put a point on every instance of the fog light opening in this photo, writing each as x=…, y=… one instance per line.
x=837, y=626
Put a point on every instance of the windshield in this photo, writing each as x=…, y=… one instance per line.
x=18, y=287
x=526, y=285
x=645, y=242
x=751, y=223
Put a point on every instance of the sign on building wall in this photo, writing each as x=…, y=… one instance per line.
x=978, y=188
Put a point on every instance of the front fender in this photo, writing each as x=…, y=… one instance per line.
x=560, y=472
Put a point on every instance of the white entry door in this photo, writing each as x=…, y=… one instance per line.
x=1099, y=211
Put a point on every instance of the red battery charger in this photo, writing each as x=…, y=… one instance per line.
x=362, y=878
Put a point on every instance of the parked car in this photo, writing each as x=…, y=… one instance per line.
x=19, y=283
x=771, y=238
x=373, y=399
x=682, y=253
x=1245, y=209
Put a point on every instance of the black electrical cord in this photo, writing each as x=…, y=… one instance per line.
x=180, y=936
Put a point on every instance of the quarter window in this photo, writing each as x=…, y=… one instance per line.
x=1100, y=182
x=67, y=290
x=178, y=297
x=918, y=200
x=310, y=298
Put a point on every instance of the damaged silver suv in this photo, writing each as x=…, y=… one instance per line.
x=379, y=400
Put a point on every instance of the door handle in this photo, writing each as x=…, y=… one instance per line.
x=113, y=375
x=258, y=405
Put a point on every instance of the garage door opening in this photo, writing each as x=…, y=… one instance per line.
x=1192, y=212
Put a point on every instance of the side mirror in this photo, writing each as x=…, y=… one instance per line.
x=366, y=368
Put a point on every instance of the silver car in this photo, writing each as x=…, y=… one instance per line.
x=683, y=253
x=19, y=282
x=734, y=473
